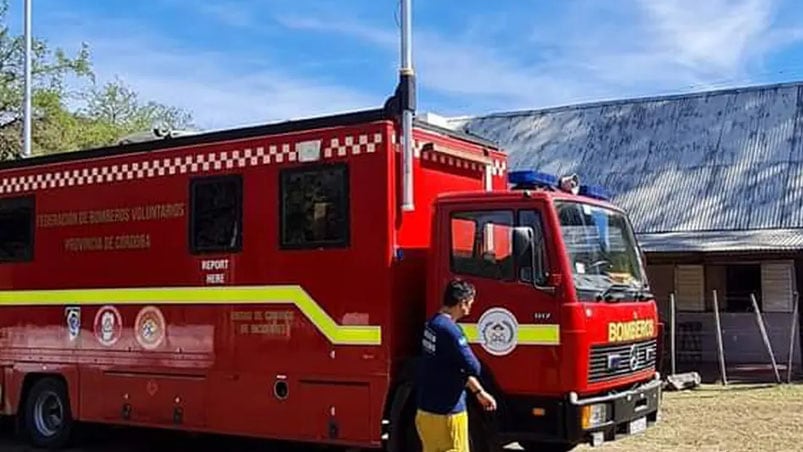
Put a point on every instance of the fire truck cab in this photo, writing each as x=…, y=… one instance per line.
x=563, y=323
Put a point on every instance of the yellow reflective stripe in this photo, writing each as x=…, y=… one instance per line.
x=470, y=330
x=539, y=334
x=526, y=334
x=295, y=295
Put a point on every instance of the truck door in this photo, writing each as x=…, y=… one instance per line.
x=513, y=325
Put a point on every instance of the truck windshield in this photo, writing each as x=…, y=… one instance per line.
x=602, y=251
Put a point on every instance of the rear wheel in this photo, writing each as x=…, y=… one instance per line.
x=403, y=433
x=47, y=416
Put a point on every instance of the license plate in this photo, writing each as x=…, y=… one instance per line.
x=637, y=426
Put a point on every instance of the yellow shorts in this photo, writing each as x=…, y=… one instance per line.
x=442, y=433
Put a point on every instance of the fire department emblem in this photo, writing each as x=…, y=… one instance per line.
x=73, y=316
x=108, y=325
x=498, y=331
x=150, y=327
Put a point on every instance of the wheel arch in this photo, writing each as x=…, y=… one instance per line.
x=23, y=379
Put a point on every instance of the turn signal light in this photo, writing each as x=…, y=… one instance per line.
x=539, y=412
x=593, y=415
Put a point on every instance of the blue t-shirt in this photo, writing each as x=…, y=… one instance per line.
x=446, y=364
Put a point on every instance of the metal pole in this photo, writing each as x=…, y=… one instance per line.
x=672, y=330
x=26, y=152
x=792, y=339
x=406, y=76
x=720, y=349
x=765, y=337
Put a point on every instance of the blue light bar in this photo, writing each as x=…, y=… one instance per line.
x=594, y=191
x=531, y=179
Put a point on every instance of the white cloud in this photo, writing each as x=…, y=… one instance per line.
x=588, y=51
x=475, y=75
x=716, y=36
x=217, y=88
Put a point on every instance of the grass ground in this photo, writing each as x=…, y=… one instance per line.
x=715, y=418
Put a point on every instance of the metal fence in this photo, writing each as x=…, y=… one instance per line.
x=722, y=338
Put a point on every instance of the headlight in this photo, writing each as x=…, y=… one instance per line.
x=594, y=415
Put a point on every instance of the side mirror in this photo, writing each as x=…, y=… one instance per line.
x=523, y=246
x=524, y=251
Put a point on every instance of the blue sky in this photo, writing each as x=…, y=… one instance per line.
x=242, y=62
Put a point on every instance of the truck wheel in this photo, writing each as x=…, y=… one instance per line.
x=47, y=417
x=480, y=434
x=403, y=436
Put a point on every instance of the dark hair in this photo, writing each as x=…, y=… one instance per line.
x=458, y=291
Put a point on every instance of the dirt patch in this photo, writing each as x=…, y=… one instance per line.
x=717, y=418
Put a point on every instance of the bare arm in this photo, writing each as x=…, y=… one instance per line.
x=486, y=400
x=474, y=385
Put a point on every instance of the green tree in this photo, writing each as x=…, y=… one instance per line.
x=67, y=117
x=113, y=110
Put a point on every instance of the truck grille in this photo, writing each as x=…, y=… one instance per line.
x=614, y=361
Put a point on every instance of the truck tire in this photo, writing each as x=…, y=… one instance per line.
x=480, y=431
x=403, y=434
x=47, y=415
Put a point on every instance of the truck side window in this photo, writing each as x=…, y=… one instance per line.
x=482, y=244
x=314, y=204
x=532, y=218
x=16, y=229
x=216, y=214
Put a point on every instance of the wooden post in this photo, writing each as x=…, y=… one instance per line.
x=765, y=337
x=720, y=349
x=672, y=331
x=792, y=338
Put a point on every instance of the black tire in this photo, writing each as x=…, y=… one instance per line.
x=47, y=415
x=403, y=433
x=480, y=430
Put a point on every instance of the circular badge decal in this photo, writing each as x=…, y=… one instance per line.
x=108, y=325
x=150, y=327
x=498, y=331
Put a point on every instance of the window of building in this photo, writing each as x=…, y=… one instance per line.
x=315, y=207
x=216, y=215
x=690, y=288
x=16, y=229
x=742, y=280
x=482, y=244
x=778, y=286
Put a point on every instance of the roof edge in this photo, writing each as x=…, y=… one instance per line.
x=749, y=240
x=630, y=100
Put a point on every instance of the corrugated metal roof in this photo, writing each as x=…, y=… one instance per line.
x=721, y=160
x=722, y=241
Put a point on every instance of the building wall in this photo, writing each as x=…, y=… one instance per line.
x=696, y=329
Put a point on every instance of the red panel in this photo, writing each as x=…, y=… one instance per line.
x=333, y=410
x=152, y=399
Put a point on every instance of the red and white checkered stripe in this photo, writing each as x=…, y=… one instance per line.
x=193, y=164
x=498, y=167
x=452, y=161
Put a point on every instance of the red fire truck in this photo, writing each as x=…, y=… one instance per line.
x=267, y=282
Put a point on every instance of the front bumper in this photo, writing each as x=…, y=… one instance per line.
x=562, y=419
x=626, y=410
